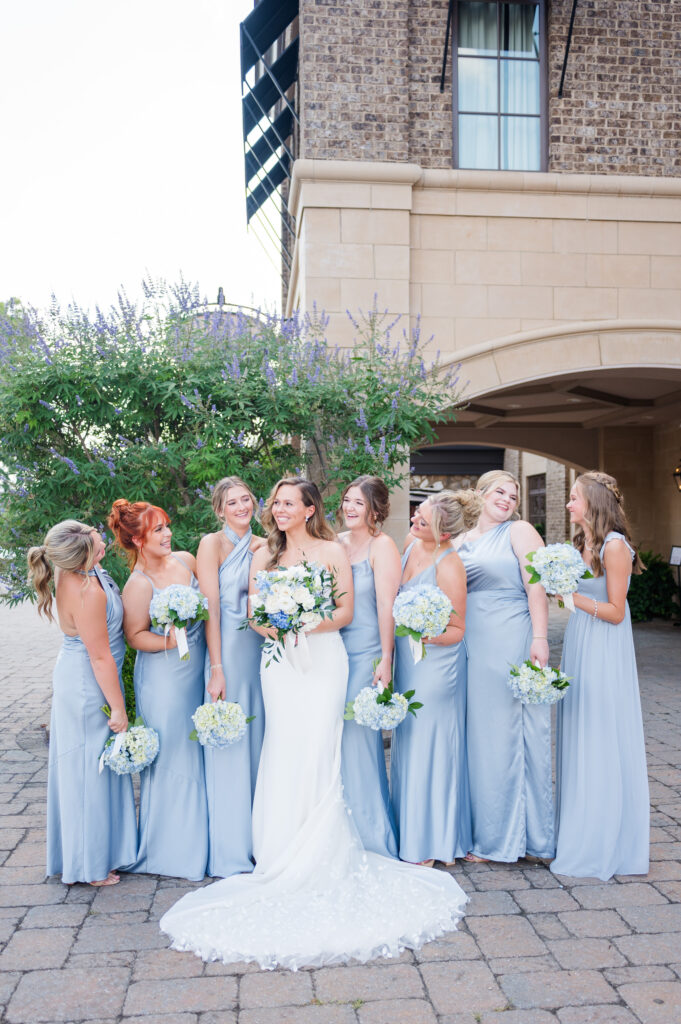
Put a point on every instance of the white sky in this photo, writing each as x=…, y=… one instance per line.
x=122, y=151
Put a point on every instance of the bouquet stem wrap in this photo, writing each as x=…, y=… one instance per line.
x=181, y=638
x=417, y=649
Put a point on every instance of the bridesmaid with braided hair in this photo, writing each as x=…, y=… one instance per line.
x=603, y=810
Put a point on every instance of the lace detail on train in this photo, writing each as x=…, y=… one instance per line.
x=316, y=897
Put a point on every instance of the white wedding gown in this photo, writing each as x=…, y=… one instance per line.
x=316, y=896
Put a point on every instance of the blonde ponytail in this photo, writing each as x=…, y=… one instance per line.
x=70, y=546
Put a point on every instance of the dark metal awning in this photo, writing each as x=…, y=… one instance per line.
x=269, y=67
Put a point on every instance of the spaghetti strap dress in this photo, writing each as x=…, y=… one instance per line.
x=91, y=819
x=603, y=805
x=173, y=819
x=231, y=771
x=429, y=779
x=365, y=779
x=508, y=743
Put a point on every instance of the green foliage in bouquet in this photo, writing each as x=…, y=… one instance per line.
x=652, y=592
x=160, y=401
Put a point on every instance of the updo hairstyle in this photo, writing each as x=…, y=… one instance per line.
x=453, y=512
x=497, y=476
x=377, y=497
x=70, y=546
x=132, y=521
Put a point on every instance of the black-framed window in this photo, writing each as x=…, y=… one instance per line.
x=500, y=85
x=536, y=501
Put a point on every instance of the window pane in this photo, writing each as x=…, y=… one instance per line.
x=478, y=142
x=478, y=28
x=520, y=144
x=519, y=30
x=478, y=84
x=519, y=86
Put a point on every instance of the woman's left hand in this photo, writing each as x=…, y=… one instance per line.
x=383, y=672
x=539, y=652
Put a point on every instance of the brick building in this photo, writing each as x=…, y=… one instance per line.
x=535, y=230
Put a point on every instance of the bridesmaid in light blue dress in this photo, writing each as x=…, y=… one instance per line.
x=232, y=672
x=603, y=806
x=369, y=639
x=91, y=821
x=429, y=778
x=508, y=743
x=173, y=822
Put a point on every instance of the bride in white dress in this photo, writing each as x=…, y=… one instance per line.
x=316, y=896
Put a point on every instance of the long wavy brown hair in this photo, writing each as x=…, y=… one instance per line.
x=316, y=525
x=605, y=513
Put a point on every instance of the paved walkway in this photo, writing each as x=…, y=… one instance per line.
x=581, y=952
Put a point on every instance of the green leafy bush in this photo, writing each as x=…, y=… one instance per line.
x=653, y=592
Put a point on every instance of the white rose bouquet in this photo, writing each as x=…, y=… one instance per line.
x=178, y=605
x=531, y=684
x=129, y=752
x=219, y=724
x=292, y=601
x=559, y=568
x=420, y=612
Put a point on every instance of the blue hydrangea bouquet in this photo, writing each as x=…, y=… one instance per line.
x=129, y=752
x=379, y=707
x=178, y=605
x=531, y=684
x=420, y=612
x=292, y=601
x=559, y=568
x=219, y=724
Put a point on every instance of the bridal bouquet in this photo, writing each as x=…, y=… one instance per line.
x=219, y=724
x=421, y=612
x=178, y=605
x=380, y=707
x=531, y=684
x=292, y=601
x=129, y=752
x=559, y=568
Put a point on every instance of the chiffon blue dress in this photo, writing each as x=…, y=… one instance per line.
x=91, y=819
x=602, y=800
x=428, y=776
x=173, y=820
x=508, y=743
x=231, y=771
x=365, y=780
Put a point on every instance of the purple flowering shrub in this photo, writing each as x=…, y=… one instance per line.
x=159, y=401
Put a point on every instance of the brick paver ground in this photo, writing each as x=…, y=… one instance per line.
x=533, y=949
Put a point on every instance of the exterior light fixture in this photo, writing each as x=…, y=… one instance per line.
x=677, y=474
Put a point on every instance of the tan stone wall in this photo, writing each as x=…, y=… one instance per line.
x=370, y=77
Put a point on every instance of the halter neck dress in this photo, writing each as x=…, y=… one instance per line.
x=508, y=743
x=602, y=800
x=365, y=780
x=173, y=821
x=231, y=771
x=428, y=776
x=91, y=819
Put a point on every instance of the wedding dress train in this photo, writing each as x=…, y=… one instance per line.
x=316, y=897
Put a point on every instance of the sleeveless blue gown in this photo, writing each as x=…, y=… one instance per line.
x=365, y=780
x=91, y=819
x=428, y=776
x=603, y=807
x=173, y=822
x=231, y=771
x=508, y=743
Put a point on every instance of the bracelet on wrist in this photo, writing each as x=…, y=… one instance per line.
x=216, y=666
x=540, y=638
x=595, y=608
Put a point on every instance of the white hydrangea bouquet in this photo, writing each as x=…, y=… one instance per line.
x=129, y=752
x=178, y=605
x=420, y=612
x=531, y=684
x=559, y=568
x=379, y=707
x=292, y=601
x=219, y=724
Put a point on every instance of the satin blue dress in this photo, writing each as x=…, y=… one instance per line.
x=602, y=800
x=173, y=818
x=508, y=743
x=428, y=776
x=91, y=819
x=365, y=780
x=231, y=771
